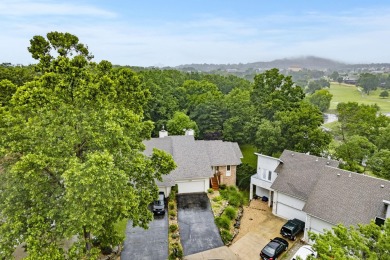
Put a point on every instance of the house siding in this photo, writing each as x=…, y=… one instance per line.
x=288, y=207
x=228, y=180
x=315, y=225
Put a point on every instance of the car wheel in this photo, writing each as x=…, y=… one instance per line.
x=293, y=238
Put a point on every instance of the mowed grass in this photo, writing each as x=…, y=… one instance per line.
x=248, y=151
x=350, y=93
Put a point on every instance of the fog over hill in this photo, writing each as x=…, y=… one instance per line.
x=304, y=62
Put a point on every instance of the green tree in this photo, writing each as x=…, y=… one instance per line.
x=340, y=80
x=7, y=89
x=71, y=154
x=297, y=130
x=179, y=123
x=368, y=82
x=273, y=92
x=316, y=85
x=379, y=163
x=334, y=76
x=362, y=242
x=321, y=99
x=354, y=151
x=360, y=119
x=384, y=94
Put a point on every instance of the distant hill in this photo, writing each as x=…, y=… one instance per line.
x=306, y=62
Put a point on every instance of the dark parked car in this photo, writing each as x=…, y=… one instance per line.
x=273, y=249
x=159, y=204
x=292, y=228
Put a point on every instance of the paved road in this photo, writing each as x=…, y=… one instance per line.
x=149, y=244
x=198, y=231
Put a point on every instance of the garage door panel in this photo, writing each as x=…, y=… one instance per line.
x=288, y=212
x=191, y=186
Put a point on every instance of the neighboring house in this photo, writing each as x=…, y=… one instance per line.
x=314, y=190
x=198, y=162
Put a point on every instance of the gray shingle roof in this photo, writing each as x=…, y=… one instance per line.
x=346, y=197
x=331, y=194
x=222, y=153
x=193, y=158
x=299, y=173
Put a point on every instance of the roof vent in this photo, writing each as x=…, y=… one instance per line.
x=327, y=163
x=382, y=186
x=317, y=159
x=350, y=174
x=292, y=154
x=338, y=174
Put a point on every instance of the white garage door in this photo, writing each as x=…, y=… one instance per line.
x=191, y=186
x=288, y=212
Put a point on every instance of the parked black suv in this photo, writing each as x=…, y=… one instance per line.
x=273, y=249
x=292, y=228
x=159, y=205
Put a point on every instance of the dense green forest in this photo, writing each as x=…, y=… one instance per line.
x=71, y=134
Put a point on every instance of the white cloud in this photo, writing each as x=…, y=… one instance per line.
x=50, y=8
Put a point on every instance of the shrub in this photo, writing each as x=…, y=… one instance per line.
x=174, y=235
x=173, y=227
x=172, y=213
x=224, y=194
x=171, y=205
x=222, y=222
x=222, y=186
x=230, y=212
x=217, y=198
x=235, y=199
x=211, y=191
x=226, y=236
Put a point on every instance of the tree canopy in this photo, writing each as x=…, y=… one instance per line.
x=71, y=153
x=362, y=242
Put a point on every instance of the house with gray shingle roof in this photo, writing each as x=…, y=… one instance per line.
x=200, y=164
x=314, y=190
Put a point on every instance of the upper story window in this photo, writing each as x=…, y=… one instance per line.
x=266, y=174
x=228, y=171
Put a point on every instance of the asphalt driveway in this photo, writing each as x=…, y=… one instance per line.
x=145, y=244
x=198, y=231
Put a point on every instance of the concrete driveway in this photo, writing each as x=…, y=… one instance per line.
x=198, y=231
x=258, y=227
x=147, y=244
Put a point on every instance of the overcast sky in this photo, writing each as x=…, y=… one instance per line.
x=170, y=33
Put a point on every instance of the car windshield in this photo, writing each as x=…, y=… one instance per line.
x=286, y=230
x=158, y=203
x=270, y=249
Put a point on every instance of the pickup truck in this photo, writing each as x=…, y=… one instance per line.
x=292, y=228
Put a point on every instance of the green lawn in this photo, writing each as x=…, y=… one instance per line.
x=249, y=156
x=350, y=93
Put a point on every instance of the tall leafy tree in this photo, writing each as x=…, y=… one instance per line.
x=273, y=92
x=354, y=150
x=368, y=82
x=362, y=242
x=360, y=119
x=379, y=163
x=71, y=154
x=321, y=99
x=179, y=123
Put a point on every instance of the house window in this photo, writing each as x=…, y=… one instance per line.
x=228, y=172
x=266, y=175
x=269, y=175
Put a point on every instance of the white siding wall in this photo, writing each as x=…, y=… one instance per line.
x=288, y=207
x=291, y=201
x=316, y=225
x=261, y=192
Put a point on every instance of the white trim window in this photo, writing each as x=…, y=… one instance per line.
x=228, y=170
x=266, y=174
